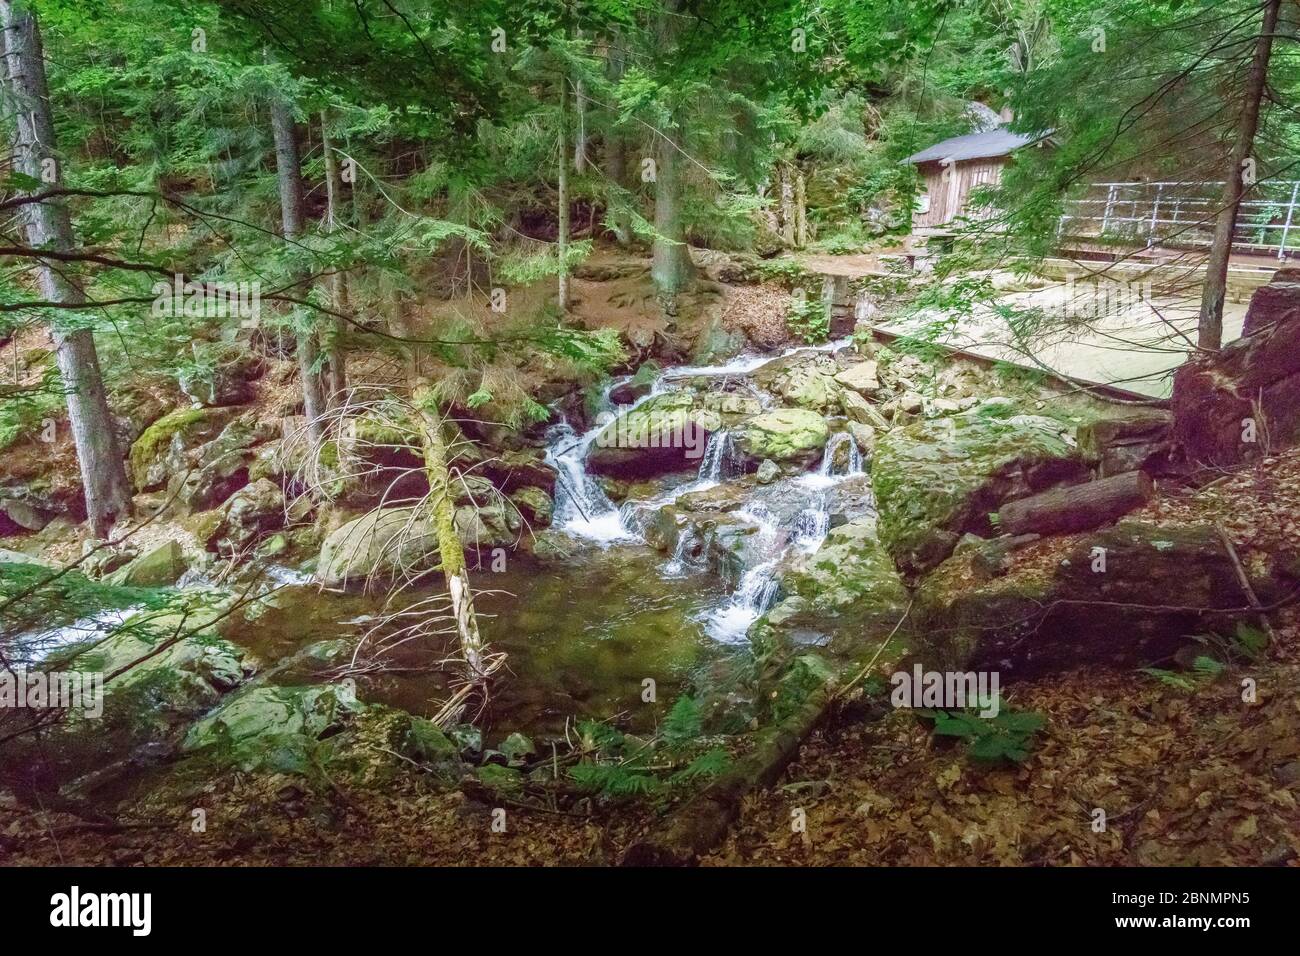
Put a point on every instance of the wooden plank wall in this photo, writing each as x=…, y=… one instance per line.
x=948, y=197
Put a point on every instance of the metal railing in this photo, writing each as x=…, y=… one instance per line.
x=1183, y=214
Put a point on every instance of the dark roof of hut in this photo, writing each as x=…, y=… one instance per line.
x=985, y=145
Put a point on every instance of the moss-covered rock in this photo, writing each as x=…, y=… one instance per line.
x=663, y=434
x=846, y=593
x=158, y=567
x=936, y=480
x=783, y=435
x=1116, y=597
x=159, y=453
x=268, y=727
x=377, y=544
x=804, y=380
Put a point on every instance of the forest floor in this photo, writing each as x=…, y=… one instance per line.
x=1185, y=775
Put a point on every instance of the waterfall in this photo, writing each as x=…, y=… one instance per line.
x=826, y=474
x=581, y=506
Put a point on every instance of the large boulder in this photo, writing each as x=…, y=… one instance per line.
x=254, y=510
x=161, y=451
x=159, y=680
x=219, y=468
x=804, y=380
x=1277, y=302
x=936, y=480
x=847, y=593
x=511, y=470
x=1140, y=440
x=268, y=727
x=378, y=544
x=783, y=435
x=160, y=567
x=861, y=377
x=664, y=434
x=1122, y=596
x=1233, y=405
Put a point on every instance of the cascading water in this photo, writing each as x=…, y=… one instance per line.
x=583, y=510
x=581, y=506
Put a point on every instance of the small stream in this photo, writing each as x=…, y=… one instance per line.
x=583, y=511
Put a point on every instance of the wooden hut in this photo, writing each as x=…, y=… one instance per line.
x=955, y=167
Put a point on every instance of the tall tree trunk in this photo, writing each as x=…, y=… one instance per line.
x=338, y=379
x=800, y=211
x=103, y=474
x=1210, y=326
x=563, y=225
x=289, y=175
x=787, y=205
x=580, y=110
x=619, y=216
x=671, y=267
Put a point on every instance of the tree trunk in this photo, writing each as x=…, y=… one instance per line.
x=800, y=212
x=787, y=206
x=1076, y=507
x=289, y=176
x=562, y=240
x=451, y=551
x=580, y=109
x=1210, y=326
x=671, y=267
x=103, y=474
x=338, y=378
x=619, y=217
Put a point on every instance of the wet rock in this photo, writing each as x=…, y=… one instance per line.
x=864, y=433
x=1142, y=440
x=727, y=496
x=996, y=606
x=535, y=505
x=159, y=567
x=636, y=387
x=785, y=435
x=162, y=681
x=851, y=499
x=664, y=434
x=495, y=524
x=847, y=592
x=510, y=470
x=768, y=471
x=936, y=480
x=255, y=727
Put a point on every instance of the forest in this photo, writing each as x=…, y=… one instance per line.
x=596, y=433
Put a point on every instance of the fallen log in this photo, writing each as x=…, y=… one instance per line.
x=1077, y=507
x=701, y=823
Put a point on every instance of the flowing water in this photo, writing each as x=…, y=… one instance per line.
x=584, y=512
